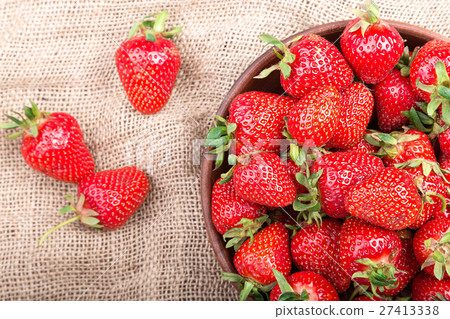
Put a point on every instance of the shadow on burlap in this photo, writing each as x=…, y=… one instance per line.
x=60, y=54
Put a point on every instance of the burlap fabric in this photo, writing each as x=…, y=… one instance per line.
x=60, y=54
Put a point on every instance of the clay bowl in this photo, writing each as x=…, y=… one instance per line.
x=415, y=36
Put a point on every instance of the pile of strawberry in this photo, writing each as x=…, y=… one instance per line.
x=52, y=143
x=318, y=206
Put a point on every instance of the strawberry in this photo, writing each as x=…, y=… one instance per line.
x=227, y=208
x=407, y=265
x=259, y=119
x=430, y=79
x=430, y=73
x=369, y=254
x=148, y=63
x=443, y=214
x=303, y=286
x=293, y=169
x=444, y=142
x=432, y=247
x=430, y=82
x=370, y=45
x=362, y=146
x=312, y=121
x=355, y=111
x=428, y=288
x=341, y=171
x=262, y=178
x=388, y=199
x=433, y=192
x=107, y=199
x=392, y=96
x=52, y=144
x=232, y=216
x=444, y=163
x=256, y=123
x=401, y=147
x=316, y=249
x=310, y=63
x=255, y=259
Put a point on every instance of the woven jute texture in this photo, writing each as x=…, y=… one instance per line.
x=60, y=54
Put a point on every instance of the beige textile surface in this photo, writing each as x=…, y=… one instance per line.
x=60, y=54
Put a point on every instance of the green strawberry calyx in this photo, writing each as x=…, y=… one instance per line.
x=424, y=123
x=370, y=15
x=282, y=51
x=220, y=138
x=249, y=286
x=388, y=143
x=85, y=215
x=244, y=229
x=404, y=64
x=287, y=293
x=440, y=256
x=152, y=26
x=308, y=203
x=381, y=275
x=29, y=124
x=427, y=167
x=439, y=93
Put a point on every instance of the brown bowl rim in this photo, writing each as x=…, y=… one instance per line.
x=214, y=237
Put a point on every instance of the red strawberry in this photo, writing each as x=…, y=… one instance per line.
x=371, y=46
x=307, y=286
x=401, y=147
x=227, y=208
x=407, y=265
x=388, y=199
x=53, y=144
x=432, y=247
x=293, y=169
x=446, y=213
x=312, y=121
x=270, y=249
x=428, y=185
x=444, y=163
x=310, y=63
x=259, y=117
x=148, y=63
x=362, y=146
x=369, y=254
x=316, y=249
x=428, y=288
x=356, y=109
x=423, y=69
x=255, y=259
x=430, y=73
x=393, y=96
x=444, y=141
x=107, y=199
x=262, y=178
x=256, y=123
x=341, y=171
